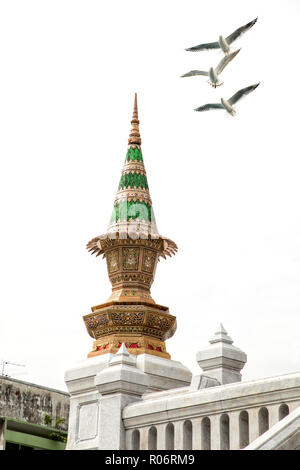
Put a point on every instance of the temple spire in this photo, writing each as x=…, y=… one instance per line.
x=132, y=247
x=134, y=136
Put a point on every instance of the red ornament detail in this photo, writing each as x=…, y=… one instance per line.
x=120, y=344
x=106, y=346
x=150, y=346
x=158, y=349
x=99, y=348
x=133, y=345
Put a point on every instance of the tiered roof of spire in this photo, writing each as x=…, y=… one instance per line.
x=133, y=214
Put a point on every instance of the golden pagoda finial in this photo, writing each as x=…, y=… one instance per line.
x=134, y=136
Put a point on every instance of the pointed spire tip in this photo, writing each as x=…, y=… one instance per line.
x=134, y=136
x=221, y=329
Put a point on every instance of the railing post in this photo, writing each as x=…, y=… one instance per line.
x=161, y=436
x=253, y=424
x=273, y=415
x=215, y=432
x=196, y=423
x=234, y=430
x=144, y=438
x=128, y=436
x=178, y=435
x=116, y=393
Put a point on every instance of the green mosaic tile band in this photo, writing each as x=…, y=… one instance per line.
x=133, y=180
x=134, y=154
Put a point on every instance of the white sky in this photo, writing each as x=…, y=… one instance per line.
x=225, y=189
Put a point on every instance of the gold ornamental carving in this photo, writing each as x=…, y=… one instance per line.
x=130, y=258
x=135, y=345
x=113, y=263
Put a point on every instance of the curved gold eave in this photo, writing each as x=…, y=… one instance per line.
x=97, y=245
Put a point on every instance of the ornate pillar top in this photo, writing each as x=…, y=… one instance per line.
x=221, y=360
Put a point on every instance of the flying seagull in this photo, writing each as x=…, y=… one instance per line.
x=213, y=73
x=224, y=43
x=227, y=104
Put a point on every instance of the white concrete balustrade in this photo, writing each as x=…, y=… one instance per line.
x=122, y=401
x=225, y=417
x=219, y=432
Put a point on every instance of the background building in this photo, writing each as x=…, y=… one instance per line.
x=25, y=409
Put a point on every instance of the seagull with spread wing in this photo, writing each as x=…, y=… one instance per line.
x=214, y=72
x=224, y=43
x=227, y=104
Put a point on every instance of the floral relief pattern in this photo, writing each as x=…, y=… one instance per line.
x=161, y=322
x=126, y=318
x=130, y=258
x=113, y=261
x=149, y=258
x=95, y=322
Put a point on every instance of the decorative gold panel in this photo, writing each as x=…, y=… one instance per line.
x=113, y=262
x=131, y=258
x=148, y=262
